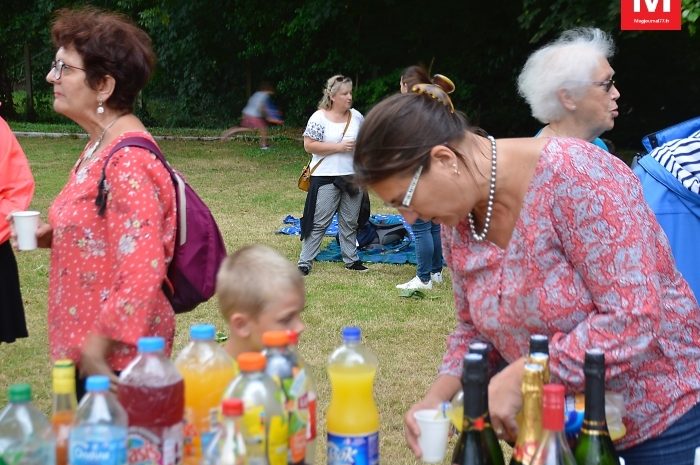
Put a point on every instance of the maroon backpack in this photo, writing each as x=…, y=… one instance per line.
x=199, y=247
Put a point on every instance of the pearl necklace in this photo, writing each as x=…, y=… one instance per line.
x=489, y=205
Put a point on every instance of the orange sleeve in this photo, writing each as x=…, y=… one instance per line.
x=16, y=180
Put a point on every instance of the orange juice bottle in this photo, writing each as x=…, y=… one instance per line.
x=352, y=420
x=207, y=370
x=64, y=406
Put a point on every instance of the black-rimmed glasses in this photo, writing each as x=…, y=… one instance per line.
x=57, y=66
x=606, y=85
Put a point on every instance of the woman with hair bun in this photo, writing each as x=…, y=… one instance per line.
x=330, y=139
x=570, y=88
x=544, y=236
x=427, y=234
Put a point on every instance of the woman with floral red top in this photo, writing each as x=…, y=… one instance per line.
x=548, y=236
x=106, y=270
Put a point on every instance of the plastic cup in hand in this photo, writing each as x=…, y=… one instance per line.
x=26, y=224
x=434, y=427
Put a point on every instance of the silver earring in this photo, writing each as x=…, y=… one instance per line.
x=100, y=108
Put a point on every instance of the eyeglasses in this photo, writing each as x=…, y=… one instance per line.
x=406, y=202
x=57, y=66
x=607, y=84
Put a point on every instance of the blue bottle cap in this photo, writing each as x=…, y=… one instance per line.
x=202, y=332
x=97, y=383
x=151, y=344
x=352, y=334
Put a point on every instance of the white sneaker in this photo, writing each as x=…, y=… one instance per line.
x=415, y=283
x=436, y=277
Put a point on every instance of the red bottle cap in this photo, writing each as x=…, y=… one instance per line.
x=293, y=337
x=232, y=407
x=553, y=407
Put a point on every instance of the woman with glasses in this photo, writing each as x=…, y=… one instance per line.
x=330, y=139
x=570, y=88
x=544, y=236
x=427, y=234
x=107, y=268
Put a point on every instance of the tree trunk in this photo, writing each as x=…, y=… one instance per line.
x=29, y=104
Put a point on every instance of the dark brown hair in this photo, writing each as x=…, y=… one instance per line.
x=110, y=44
x=413, y=75
x=398, y=134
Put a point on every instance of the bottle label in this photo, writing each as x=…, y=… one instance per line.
x=156, y=446
x=353, y=450
x=95, y=452
x=277, y=441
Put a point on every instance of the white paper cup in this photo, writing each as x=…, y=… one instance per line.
x=434, y=427
x=26, y=224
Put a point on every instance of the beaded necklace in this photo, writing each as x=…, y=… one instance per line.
x=489, y=205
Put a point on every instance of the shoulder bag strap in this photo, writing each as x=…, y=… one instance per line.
x=345, y=129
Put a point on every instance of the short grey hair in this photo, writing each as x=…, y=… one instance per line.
x=567, y=63
x=331, y=88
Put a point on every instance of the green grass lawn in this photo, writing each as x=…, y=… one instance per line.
x=250, y=191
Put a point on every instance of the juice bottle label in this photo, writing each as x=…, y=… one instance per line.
x=155, y=446
x=353, y=450
x=96, y=452
x=311, y=425
x=277, y=441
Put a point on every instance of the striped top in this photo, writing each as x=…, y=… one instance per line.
x=681, y=158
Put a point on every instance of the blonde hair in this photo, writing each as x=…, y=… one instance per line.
x=333, y=85
x=253, y=276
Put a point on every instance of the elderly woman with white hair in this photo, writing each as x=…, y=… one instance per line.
x=570, y=88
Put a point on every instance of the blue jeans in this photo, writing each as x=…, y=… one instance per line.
x=428, y=248
x=674, y=446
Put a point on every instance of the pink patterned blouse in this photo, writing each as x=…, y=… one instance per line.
x=589, y=266
x=106, y=272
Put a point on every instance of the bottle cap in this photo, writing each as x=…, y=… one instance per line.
x=251, y=361
x=97, y=383
x=232, y=407
x=275, y=338
x=474, y=368
x=539, y=344
x=352, y=334
x=64, y=368
x=553, y=407
x=293, y=337
x=151, y=344
x=202, y=332
x=18, y=393
x=478, y=347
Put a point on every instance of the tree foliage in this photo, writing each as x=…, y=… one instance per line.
x=213, y=53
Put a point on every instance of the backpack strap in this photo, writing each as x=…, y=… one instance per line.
x=142, y=142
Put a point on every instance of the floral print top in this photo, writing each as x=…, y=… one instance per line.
x=588, y=266
x=106, y=272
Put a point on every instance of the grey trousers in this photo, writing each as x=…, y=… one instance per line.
x=329, y=200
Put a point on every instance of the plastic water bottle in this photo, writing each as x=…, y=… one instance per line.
x=352, y=418
x=280, y=366
x=264, y=418
x=99, y=434
x=26, y=437
x=228, y=446
x=207, y=370
x=64, y=406
x=152, y=392
x=307, y=400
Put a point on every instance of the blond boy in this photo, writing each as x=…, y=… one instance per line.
x=258, y=290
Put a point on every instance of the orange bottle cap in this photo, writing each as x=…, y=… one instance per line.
x=293, y=337
x=275, y=338
x=251, y=361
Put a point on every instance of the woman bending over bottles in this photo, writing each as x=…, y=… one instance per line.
x=544, y=236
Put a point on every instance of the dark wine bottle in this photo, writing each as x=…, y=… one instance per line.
x=594, y=444
x=553, y=448
x=472, y=447
x=530, y=428
x=484, y=350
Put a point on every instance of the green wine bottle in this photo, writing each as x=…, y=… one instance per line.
x=472, y=447
x=594, y=444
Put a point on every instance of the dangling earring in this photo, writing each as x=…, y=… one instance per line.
x=100, y=108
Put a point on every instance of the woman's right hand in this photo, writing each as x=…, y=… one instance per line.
x=44, y=235
x=410, y=426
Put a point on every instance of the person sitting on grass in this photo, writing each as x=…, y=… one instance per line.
x=258, y=290
x=258, y=112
